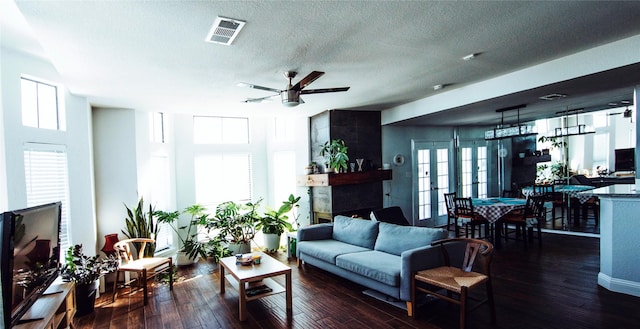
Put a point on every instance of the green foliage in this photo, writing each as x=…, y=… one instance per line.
x=276, y=221
x=335, y=154
x=236, y=222
x=216, y=250
x=188, y=234
x=140, y=224
x=83, y=269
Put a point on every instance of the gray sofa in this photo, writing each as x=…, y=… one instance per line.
x=377, y=255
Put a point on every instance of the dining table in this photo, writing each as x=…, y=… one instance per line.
x=493, y=209
x=571, y=192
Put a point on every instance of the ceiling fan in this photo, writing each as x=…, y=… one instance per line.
x=291, y=95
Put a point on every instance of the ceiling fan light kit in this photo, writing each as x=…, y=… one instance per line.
x=290, y=97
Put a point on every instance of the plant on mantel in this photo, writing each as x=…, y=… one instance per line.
x=335, y=154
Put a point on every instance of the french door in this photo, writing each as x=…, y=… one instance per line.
x=432, y=167
x=473, y=169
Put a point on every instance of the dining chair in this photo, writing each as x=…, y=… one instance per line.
x=145, y=267
x=526, y=219
x=469, y=219
x=466, y=267
x=449, y=200
x=556, y=198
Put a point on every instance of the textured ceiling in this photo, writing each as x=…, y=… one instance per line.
x=151, y=55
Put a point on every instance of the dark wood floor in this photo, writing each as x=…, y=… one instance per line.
x=553, y=286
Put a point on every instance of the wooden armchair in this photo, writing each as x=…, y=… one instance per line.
x=458, y=280
x=145, y=267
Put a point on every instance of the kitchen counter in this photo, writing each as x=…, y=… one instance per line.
x=619, y=238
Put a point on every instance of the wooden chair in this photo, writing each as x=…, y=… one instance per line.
x=556, y=198
x=526, y=219
x=145, y=268
x=449, y=200
x=469, y=219
x=458, y=280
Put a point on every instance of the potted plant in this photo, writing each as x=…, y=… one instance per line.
x=190, y=245
x=275, y=222
x=216, y=249
x=236, y=224
x=335, y=154
x=140, y=224
x=85, y=271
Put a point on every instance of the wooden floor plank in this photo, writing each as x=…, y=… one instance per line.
x=553, y=286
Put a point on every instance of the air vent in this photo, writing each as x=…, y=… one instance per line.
x=551, y=97
x=224, y=30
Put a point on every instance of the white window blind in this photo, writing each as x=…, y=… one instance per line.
x=222, y=177
x=47, y=180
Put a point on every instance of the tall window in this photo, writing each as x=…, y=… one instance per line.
x=220, y=130
x=424, y=183
x=40, y=106
x=222, y=177
x=47, y=180
x=159, y=193
x=443, y=178
x=467, y=172
x=482, y=172
x=284, y=178
x=158, y=127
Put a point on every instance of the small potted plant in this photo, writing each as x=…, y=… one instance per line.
x=216, y=249
x=335, y=154
x=190, y=244
x=85, y=271
x=275, y=222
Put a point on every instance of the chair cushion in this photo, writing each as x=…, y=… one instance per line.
x=359, y=232
x=450, y=278
x=143, y=263
x=373, y=264
x=395, y=239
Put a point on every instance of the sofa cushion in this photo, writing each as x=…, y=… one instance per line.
x=359, y=232
x=395, y=239
x=376, y=265
x=327, y=250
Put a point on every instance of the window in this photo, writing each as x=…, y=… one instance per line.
x=284, y=129
x=47, y=180
x=284, y=175
x=220, y=130
x=222, y=177
x=160, y=194
x=482, y=172
x=40, y=107
x=158, y=127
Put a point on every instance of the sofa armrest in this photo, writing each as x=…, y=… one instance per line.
x=316, y=232
x=415, y=260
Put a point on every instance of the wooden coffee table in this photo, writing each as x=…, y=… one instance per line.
x=242, y=277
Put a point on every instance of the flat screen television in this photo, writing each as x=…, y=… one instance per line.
x=30, y=257
x=625, y=159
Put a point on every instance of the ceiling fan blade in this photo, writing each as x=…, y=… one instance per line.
x=249, y=85
x=307, y=80
x=325, y=90
x=261, y=99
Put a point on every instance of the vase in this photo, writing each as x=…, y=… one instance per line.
x=240, y=247
x=271, y=242
x=85, y=298
x=182, y=259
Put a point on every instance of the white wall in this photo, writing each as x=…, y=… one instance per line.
x=76, y=138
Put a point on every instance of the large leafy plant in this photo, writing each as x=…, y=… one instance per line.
x=277, y=221
x=141, y=224
x=188, y=234
x=236, y=222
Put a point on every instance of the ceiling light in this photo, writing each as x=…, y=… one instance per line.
x=438, y=87
x=551, y=97
x=469, y=57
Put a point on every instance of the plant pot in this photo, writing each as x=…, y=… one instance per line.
x=85, y=298
x=271, y=241
x=183, y=260
x=240, y=248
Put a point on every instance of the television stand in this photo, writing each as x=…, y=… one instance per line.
x=54, y=309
